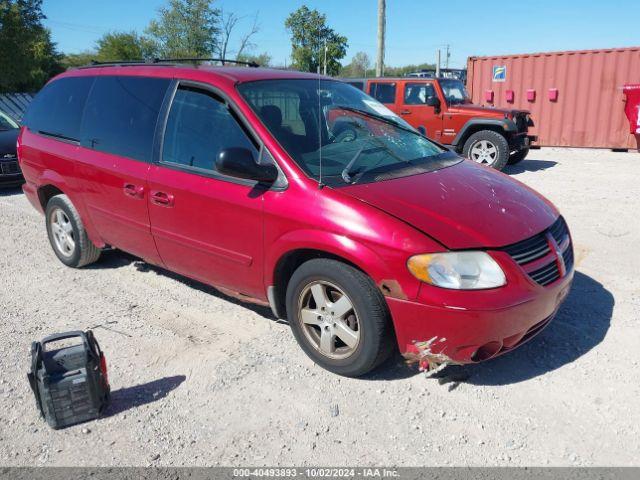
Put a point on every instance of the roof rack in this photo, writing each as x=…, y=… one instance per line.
x=154, y=61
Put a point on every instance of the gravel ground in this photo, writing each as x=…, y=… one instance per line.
x=201, y=379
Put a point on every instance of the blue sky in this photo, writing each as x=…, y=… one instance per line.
x=415, y=28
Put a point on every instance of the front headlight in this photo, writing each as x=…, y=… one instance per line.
x=457, y=270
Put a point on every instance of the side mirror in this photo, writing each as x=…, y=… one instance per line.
x=433, y=101
x=239, y=163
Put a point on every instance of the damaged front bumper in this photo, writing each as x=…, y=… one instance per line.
x=493, y=322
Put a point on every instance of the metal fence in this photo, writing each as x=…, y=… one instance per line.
x=15, y=104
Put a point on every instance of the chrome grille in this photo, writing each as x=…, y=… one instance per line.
x=547, y=274
x=529, y=250
x=537, y=247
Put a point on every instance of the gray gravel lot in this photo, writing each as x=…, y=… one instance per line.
x=200, y=379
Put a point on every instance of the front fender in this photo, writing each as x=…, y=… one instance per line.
x=339, y=245
x=505, y=124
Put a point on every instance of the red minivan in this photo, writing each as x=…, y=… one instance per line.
x=301, y=192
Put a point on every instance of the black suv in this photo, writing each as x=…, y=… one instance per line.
x=10, y=174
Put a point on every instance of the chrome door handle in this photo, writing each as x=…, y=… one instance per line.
x=162, y=199
x=133, y=190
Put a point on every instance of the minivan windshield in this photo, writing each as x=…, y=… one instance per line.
x=454, y=91
x=335, y=131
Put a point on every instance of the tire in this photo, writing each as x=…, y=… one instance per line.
x=368, y=318
x=492, y=149
x=63, y=224
x=518, y=156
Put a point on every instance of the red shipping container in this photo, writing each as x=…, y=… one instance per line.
x=586, y=110
x=632, y=108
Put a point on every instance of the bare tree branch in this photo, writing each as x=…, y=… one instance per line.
x=229, y=22
x=245, y=41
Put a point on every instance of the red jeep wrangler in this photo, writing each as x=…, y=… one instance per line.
x=441, y=109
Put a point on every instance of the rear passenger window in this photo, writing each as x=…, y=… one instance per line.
x=417, y=93
x=57, y=109
x=199, y=126
x=121, y=115
x=383, y=92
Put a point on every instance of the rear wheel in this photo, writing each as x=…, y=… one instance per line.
x=518, y=156
x=488, y=148
x=339, y=317
x=67, y=235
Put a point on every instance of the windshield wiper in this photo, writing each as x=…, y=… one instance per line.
x=382, y=118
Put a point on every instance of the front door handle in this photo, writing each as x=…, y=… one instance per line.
x=132, y=190
x=162, y=199
x=405, y=112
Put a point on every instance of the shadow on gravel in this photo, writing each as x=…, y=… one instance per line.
x=10, y=191
x=395, y=368
x=132, y=397
x=580, y=325
x=118, y=259
x=529, y=166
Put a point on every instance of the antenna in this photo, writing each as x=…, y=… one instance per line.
x=320, y=184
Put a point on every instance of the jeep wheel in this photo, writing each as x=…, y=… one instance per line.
x=67, y=234
x=518, y=156
x=339, y=317
x=488, y=148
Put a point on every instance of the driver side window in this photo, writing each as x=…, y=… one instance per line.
x=417, y=93
x=199, y=126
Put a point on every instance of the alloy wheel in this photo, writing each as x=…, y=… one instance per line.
x=484, y=152
x=62, y=230
x=328, y=319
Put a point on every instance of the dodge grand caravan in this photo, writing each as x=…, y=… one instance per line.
x=303, y=193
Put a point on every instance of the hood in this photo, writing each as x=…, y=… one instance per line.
x=8, y=139
x=462, y=206
x=472, y=109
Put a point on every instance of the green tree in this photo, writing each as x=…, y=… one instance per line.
x=124, y=46
x=359, y=66
x=73, y=60
x=310, y=35
x=186, y=28
x=262, y=59
x=28, y=57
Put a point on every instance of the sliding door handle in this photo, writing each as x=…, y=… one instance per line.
x=162, y=199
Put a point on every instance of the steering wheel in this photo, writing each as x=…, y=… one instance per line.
x=346, y=134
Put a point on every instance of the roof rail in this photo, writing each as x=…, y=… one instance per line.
x=152, y=61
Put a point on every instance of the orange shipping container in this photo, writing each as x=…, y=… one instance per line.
x=575, y=98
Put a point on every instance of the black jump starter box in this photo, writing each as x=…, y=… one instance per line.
x=70, y=383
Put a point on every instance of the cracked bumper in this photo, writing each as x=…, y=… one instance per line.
x=491, y=323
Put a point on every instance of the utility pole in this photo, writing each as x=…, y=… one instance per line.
x=447, y=58
x=382, y=20
x=438, y=63
x=325, y=57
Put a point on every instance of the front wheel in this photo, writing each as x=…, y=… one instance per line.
x=339, y=317
x=488, y=148
x=518, y=156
